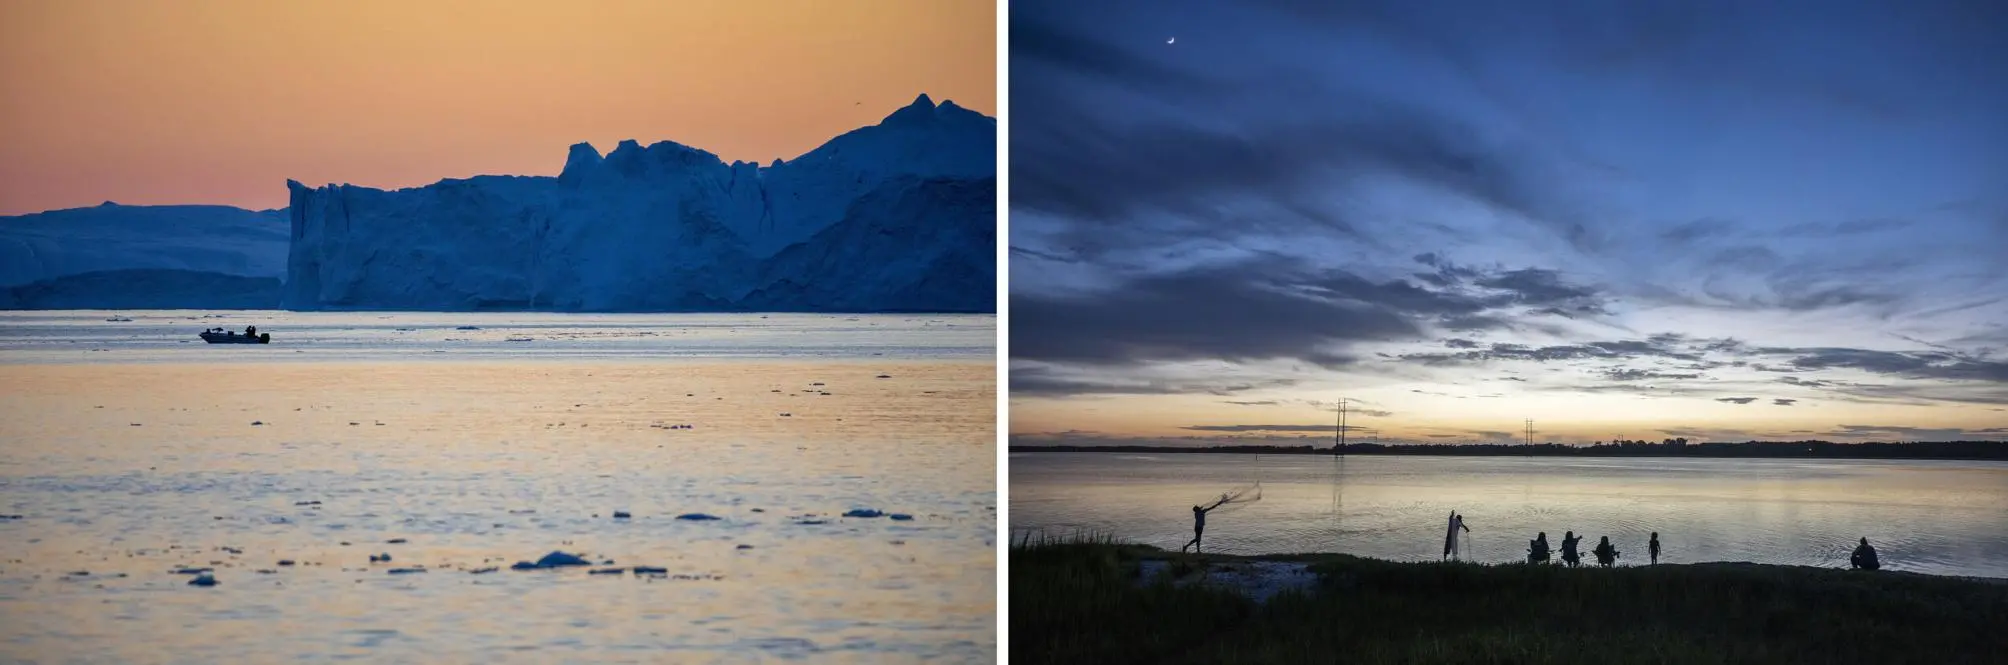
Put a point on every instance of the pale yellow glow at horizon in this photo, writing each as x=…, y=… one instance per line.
x=1565, y=418
x=221, y=101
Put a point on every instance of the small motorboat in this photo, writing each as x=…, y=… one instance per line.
x=250, y=336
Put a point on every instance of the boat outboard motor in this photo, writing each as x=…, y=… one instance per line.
x=264, y=338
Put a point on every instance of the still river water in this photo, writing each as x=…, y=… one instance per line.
x=1933, y=517
x=480, y=440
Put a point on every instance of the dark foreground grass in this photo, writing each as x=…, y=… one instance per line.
x=1082, y=602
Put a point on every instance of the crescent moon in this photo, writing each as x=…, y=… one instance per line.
x=1173, y=40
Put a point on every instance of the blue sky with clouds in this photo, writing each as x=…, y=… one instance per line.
x=1728, y=219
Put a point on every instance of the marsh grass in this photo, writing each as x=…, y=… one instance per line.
x=1080, y=599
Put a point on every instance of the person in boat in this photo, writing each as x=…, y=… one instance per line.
x=1570, y=557
x=1606, y=554
x=1652, y=548
x=1450, y=538
x=250, y=331
x=1537, y=549
x=1199, y=523
x=1864, y=557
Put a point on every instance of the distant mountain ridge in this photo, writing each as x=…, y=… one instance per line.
x=214, y=239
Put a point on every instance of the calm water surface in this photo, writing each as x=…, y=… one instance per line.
x=1926, y=516
x=128, y=454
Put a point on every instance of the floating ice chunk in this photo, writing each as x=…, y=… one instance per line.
x=468, y=328
x=484, y=571
x=204, y=579
x=556, y=559
x=376, y=558
x=524, y=565
x=743, y=546
x=285, y=562
x=406, y=571
x=650, y=570
x=608, y=571
x=901, y=517
x=698, y=517
x=192, y=571
x=396, y=541
x=621, y=515
x=257, y=423
x=863, y=512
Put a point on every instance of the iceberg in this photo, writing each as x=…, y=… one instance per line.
x=897, y=216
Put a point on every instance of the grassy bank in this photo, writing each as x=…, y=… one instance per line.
x=1084, y=602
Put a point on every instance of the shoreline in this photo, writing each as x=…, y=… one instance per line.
x=1989, y=451
x=1104, y=601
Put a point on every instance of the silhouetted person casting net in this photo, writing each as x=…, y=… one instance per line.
x=1865, y=557
x=1450, y=539
x=1606, y=553
x=1199, y=514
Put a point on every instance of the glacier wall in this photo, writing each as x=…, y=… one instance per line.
x=897, y=216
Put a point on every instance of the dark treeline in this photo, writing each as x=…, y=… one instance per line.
x=1963, y=450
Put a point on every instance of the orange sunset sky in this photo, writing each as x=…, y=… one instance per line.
x=221, y=101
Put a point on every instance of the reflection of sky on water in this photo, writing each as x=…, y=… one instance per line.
x=1926, y=516
x=488, y=460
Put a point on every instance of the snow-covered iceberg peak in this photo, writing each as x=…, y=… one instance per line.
x=582, y=157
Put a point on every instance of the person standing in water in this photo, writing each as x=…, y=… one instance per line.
x=1450, y=538
x=1199, y=523
x=1652, y=548
x=1569, y=556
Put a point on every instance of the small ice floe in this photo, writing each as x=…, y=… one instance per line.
x=80, y=573
x=863, y=512
x=759, y=510
x=743, y=546
x=810, y=521
x=257, y=423
x=192, y=571
x=396, y=541
x=468, y=328
x=380, y=558
x=232, y=550
x=285, y=562
x=621, y=515
x=608, y=571
x=555, y=559
x=785, y=414
x=309, y=503
x=10, y=517
x=406, y=571
x=204, y=579
x=483, y=571
x=650, y=570
x=698, y=517
x=885, y=376
x=267, y=571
